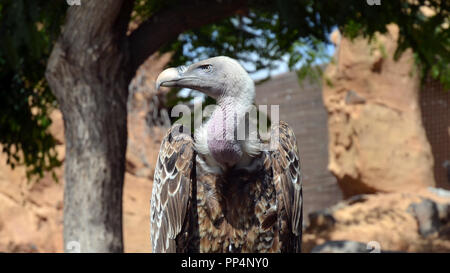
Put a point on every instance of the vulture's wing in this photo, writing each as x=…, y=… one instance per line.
x=287, y=176
x=171, y=189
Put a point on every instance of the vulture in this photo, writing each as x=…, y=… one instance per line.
x=215, y=192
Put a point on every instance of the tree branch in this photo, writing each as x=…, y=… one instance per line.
x=169, y=23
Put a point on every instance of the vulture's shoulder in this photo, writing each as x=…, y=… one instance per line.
x=171, y=188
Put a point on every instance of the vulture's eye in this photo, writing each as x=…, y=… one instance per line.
x=206, y=67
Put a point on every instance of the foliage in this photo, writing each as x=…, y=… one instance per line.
x=28, y=29
x=428, y=36
x=300, y=29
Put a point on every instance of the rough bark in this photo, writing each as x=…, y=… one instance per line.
x=87, y=73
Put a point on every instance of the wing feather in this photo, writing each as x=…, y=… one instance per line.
x=287, y=174
x=171, y=189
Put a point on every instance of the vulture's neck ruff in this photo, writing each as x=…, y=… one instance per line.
x=225, y=80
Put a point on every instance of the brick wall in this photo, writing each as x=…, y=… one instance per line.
x=301, y=107
x=434, y=104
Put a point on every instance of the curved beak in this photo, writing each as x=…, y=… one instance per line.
x=168, y=77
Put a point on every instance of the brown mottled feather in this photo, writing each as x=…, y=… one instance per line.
x=240, y=211
x=171, y=189
x=288, y=180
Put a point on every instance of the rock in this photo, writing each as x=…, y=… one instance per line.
x=444, y=213
x=439, y=191
x=427, y=216
x=321, y=220
x=377, y=142
x=353, y=98
x=382, y=220
x=341, y=247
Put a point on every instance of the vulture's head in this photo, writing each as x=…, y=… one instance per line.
x=216, y=77
x=225, y=80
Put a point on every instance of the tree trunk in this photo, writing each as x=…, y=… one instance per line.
x=87, y=72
